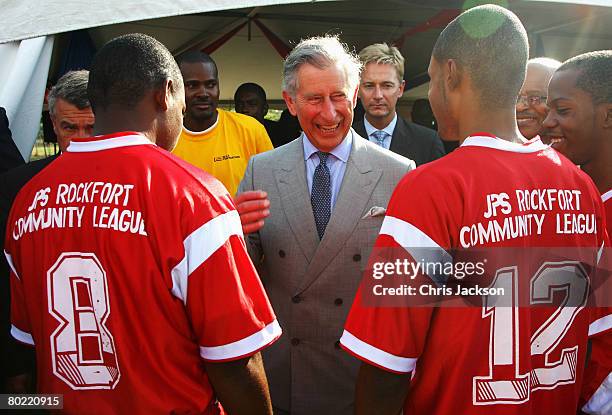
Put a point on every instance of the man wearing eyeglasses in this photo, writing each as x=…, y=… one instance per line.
x=580, y=102
x=531, y=106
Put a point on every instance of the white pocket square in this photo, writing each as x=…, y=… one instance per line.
x=374, y=212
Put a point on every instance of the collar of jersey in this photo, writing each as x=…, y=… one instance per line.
x=490, y=141
x=106, y=142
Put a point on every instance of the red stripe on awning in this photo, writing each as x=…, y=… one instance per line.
x=439, y=20
x=221, y=41
x=277, y=43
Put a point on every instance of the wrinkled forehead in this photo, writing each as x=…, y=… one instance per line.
x=333, y=77
x=537, y=79
x=66, y=111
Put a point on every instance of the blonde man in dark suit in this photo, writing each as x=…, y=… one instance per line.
x=382, y=84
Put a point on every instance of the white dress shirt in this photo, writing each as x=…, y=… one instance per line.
x=388, y=129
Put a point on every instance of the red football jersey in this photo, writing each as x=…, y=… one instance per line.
x=128, y=268
x=487, y=359
x=597, y=388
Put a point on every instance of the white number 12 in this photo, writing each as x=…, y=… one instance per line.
x=568, y=277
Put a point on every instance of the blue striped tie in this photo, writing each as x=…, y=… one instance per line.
x=380, y=137
x=320, y=196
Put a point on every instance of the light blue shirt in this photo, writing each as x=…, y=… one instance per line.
x=336, y=163
x=388, y=129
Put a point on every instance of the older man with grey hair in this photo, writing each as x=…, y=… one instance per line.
x=69, y=108
x=71, y=117
x=326, y=196
x=531, y=109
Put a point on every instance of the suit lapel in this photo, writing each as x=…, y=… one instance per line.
x=400, y=140
x=357, y=186
x=295, y=199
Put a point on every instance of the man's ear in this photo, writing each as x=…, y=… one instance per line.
x=606, y=114
x=452, y=74
x=401, y=88
x=290, y=103
x=53, y=123
x=164, y=95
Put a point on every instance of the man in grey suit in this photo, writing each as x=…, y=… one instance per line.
x=326, y=197
x=382, y=84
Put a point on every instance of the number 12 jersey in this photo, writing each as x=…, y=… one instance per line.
x=485, y=358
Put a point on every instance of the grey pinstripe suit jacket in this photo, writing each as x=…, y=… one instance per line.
x=311, y=283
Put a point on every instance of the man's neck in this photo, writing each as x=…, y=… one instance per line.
x=380, y=122
x=200, y=125
x=501, y=123
x=600, y=170
x=116, y=120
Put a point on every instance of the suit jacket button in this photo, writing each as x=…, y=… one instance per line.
x=338, y=301
x=337, y=344
x=356, y=257
x=295, y=341
x=296, y=299
x=281, y=253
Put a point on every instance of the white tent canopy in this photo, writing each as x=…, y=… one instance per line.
x=34, y=18
x=558, y=29
x=26, y=44
x=23, y=68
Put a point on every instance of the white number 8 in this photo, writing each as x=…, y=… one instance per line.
x=82, y=348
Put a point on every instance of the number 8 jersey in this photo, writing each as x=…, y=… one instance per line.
x=128, y=268
x=488, y=358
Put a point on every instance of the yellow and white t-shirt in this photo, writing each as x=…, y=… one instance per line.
x=224, y=149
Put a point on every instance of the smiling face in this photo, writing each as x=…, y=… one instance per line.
x=379, y=91
x=71, y=122
x=573, y=114
x=323, y=103
x=530, y=115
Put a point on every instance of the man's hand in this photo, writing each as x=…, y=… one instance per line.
x=380, y=392
x=241, y=386
x=252, y=206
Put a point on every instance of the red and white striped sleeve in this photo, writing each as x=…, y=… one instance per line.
x=393, y=338
x=226, y=303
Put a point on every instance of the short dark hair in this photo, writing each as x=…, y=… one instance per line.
x=72, y=88
x=490, y=44
x=251, y=87
x=594, y=74
x=197, y=56
x=126, y=68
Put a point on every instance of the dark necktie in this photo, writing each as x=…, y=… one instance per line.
x=320, y=197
